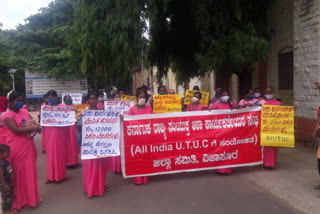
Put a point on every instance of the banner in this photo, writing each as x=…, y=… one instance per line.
x=79, y=109
x=121, y=106
x=190, y=141
x=277, y=126
x=129, y=98
x=57, y=116
x=166, y=103
x=76, y=98
x=100, y=134
x=204, y=98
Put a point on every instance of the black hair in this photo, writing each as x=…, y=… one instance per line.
x=99, y=93
x=65, y=97
x=196, y=88
x=139, y=91
x=198, y=93
x=115, y=94
x=250, y=89
x=90, y=94
x=14, y=95
x=45, y=96
x=257, y=89
x=224, y=91
x=144, y=87
x=161, y=86
x=52, y=93
x=4, y=148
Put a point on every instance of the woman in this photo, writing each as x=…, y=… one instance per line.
x=3, y=108
x=55, y=141
x=100, y=104
x=140, y=108
x=195, y=105
x=249, y=100
x=71, y=145
x=225, y=103
x=257, y=94
x=23, y=153
x=116, y=161
x=270, y=153
x=94, y=170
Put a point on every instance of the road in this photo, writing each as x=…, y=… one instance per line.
x=196, y=192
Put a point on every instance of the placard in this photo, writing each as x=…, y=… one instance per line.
x=166, y=103
x=204, y=98
x=57, y=116
x=100, y=134
x=121, y=106
x=277, y=126
x=190, y=141
x=76, y=98
x=129, y=98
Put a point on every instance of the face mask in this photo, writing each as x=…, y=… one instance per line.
x=162, y=92
x=141, y=101
x=250, y=97
x=52, y=101
x=100, y=99
x=18, y=105
x=117, y=98
x=68, y=102
x=256, y=95
x=269, y=97
x=225, y=99
x=195, y=100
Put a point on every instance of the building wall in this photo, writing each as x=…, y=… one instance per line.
x=306, y=65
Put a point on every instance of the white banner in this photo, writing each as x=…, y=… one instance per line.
x=121, y=106
x=100, y=134
x=76, y=98
x=57, y=116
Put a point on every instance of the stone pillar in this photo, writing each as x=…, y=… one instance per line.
x=306, y=66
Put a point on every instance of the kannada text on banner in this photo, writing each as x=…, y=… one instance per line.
x=129, y=98
x=190, y=141
x=57, y=116
x=100, y=134
x=121, y=106
x=76, y=98
x=204, y=98
x=277, y=126
x=166, y=103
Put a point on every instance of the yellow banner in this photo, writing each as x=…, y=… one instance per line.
x=129, y=98
x=277, y=126
x=166, y=103
x=79, y=109
x=204, y=98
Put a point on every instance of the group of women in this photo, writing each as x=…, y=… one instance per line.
x=60, y=143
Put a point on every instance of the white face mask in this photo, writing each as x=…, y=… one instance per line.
x=257, y=95
x=225, y=99
x=195, y=100
x=100, y=99
x=269, y=96
x=141, y=101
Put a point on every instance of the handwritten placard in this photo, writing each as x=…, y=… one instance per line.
x=79, y=109
x=277, y=126
x=204, y=98
x=129, y=98
x=166, y=103
x=121, y=106
x=100, y=134
x=57, y=116
x=76, y=98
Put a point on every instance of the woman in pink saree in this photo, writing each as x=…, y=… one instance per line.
x=225, y=103
x=140, y=109
x=269, y=153
x=94, y=170
x=23, y=153
x=3, y=108
x=195, y=105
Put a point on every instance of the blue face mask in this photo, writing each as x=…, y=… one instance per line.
x=250, y=97
x=52, y=101
x=68, y=102
x=18, y=105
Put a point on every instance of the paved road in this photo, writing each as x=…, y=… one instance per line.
x=198, y=192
